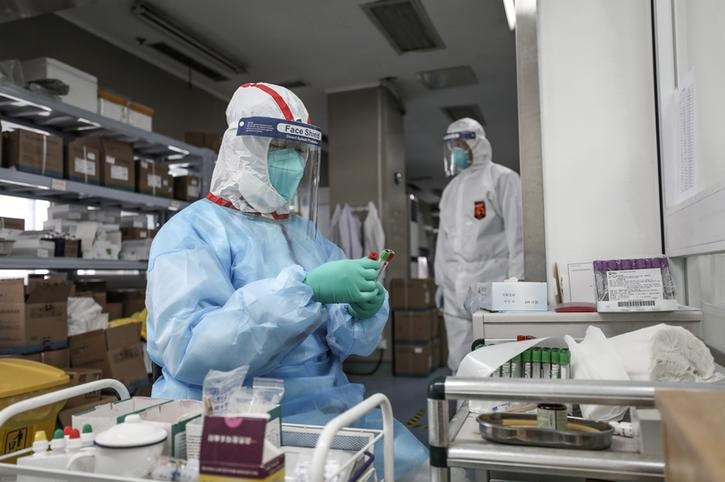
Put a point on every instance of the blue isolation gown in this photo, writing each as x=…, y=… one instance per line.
x=226, y=289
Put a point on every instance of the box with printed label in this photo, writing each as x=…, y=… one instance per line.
x=82, y=86
x=508, y=296
x=82, y=160
x=79, y=376
x=36, y=320
x=640, y=284
x=187, y=188
x=128, y=234
x=116, y=165
x=116, y=351
x=412, y=293
x=153, y=178
x=415, y=325
x=33, y=152
x=414, y=359
x=133, y=300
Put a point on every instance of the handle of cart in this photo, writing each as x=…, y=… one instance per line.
x=326, y=439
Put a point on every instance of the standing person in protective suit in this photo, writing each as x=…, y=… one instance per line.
x=236, y=279
x=480, y=233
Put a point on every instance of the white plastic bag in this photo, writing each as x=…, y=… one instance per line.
x=595, y=358
x=85, y=315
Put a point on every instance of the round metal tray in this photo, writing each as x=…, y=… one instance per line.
x=581, y=434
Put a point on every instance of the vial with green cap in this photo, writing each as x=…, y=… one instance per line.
x=565, y=363
x=536, y=363
x=516, y=366
x=526, y=363
x=58, y=442
x=546, y=362
x=555, y=367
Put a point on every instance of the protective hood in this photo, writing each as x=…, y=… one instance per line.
x=471, y=133
x=241, y=174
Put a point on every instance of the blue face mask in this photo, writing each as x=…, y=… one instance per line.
x=285, y=168
x=460, y=157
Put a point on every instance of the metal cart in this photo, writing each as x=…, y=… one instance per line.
x=352, y=447
x=457, y=443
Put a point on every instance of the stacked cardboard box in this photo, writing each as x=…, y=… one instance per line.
x=187, y=188
x=416, y=327
x=33, y=319
x=204, y=139
x=131, y=300
x=82, y=160
x=33, y=152
x=153, y=178
x=117, y=352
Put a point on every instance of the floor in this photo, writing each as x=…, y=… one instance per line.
x=408, y=395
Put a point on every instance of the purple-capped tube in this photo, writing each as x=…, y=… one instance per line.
x=627, y=264
x=600, y=278
x=640, y=263
x=667, y=282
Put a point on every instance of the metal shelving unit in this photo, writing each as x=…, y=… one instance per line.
x=19, y=262
x=36, y=111
x=35, y=186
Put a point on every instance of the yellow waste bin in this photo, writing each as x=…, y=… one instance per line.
x=21, y=379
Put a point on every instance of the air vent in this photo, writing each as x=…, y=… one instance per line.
x=405, y=24
x=456, y=112
x=447, y=78
x=193, y=64
x=294, y=84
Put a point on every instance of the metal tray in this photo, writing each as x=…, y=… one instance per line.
x=591, y=436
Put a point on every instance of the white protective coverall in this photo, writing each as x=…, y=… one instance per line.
x=479, y=237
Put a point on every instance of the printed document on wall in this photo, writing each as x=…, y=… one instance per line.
x=687, y=168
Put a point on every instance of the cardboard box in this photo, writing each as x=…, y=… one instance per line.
x=65, y=416
x=173, y=417
x=153, y=178
x=187, y=188
x=67, y=248
x=56, y=358
x=412, y=293
x=33, y=152
x=116, y=351
x=82, y=86
x=82, y=160
x=93, y=288
x=140, y=116
x=128, y=234
x=34, y=321
x=133, y=300
x=79, y=376
x=209, y=140
x=114, y=310
x=116, y=165
x=13, y=224
x=509, y=296
x=412, y=326
x=413, y=359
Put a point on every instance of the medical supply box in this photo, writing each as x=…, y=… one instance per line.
x=82, y=161
x=153, y=178
x=187, y=188
x=412, y=293
x=35, y=318
x=412, y=326
x=508, y=296
x=82, y=86
x=33, y=152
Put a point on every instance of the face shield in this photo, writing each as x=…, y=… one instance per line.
x=287, y=171
x=457, y=152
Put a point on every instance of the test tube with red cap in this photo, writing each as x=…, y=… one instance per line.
x=385, y=257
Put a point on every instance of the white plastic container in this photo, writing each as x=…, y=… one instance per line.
x=507, y=296
x=82, y=86
x=129, y=449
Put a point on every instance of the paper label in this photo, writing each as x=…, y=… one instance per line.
x=57, y=184
x=193, y=191
x=83, y=166
x=635, y=288
x=43, y=253
x=119, y=172
x=154, y=180
x=91, y=156
x=110, y=160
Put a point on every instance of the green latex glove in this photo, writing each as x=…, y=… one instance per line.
x=367, y=309
x=344, y=281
